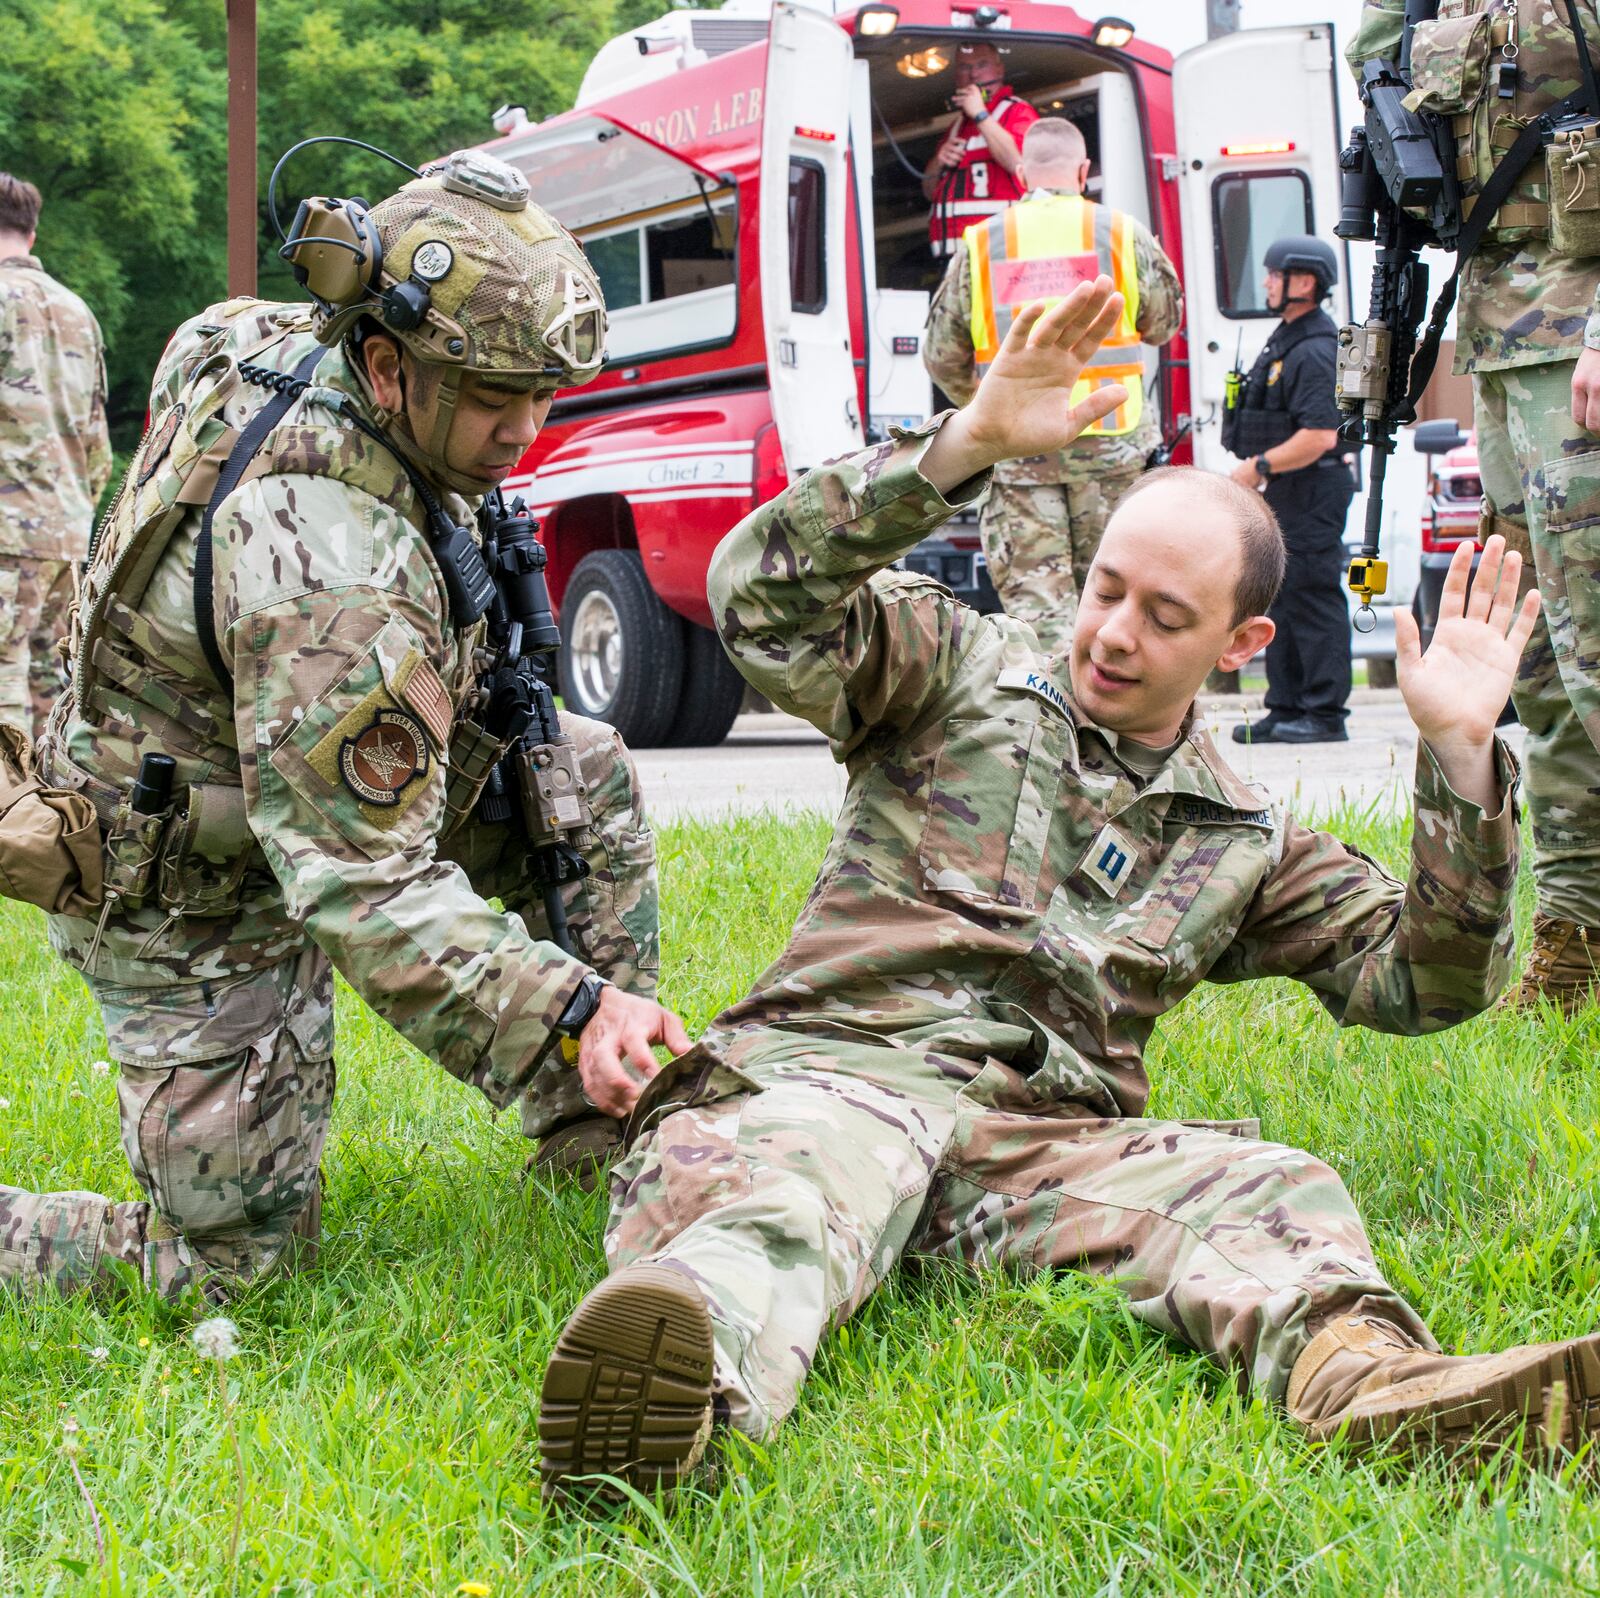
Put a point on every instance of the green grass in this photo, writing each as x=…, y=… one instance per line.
x=963, y=1435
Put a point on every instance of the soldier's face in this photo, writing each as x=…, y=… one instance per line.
x=493, y=426
x=1157, y=614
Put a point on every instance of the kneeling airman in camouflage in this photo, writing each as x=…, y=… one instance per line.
x=1037, y=858
x=278, y=603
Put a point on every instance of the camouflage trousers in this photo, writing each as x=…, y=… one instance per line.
x=1040, y=540
x=226, y=1088
x=34, y=596
x=791, y=1197
x=1541, y=482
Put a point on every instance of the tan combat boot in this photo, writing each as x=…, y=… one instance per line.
x=581, y=1150
x=1369, y=1377
x=1563, y=966
x=627, y=1391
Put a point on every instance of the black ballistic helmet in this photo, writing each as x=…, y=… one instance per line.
x=1300, y=252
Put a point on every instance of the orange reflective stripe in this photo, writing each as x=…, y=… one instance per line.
x=1126, y=274
x=985, y=334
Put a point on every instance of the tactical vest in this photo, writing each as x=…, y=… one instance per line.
x=1260, y=419
x=1491, y=67
x=1040, y=249
x=174, y=474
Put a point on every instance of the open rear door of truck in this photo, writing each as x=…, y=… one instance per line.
x=805, y=195
x=1258, y=157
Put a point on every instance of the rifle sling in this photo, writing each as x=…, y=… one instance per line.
x=250, y=441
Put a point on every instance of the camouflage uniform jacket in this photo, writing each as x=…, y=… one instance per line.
x=952, y=363
x=998, y=885
x=1520, y=303
x=55, y=455
x=332, y=618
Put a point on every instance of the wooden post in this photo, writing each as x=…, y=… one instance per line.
x=241, y=147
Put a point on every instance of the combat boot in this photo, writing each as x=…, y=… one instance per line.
x=627, y=1392
x=1562, y=966
x=1368, y=1377
x=579, y=1150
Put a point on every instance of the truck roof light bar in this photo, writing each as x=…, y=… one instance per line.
x=820, y=134
x=1264, y=147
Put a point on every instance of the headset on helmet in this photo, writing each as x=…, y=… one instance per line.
x=335, y=251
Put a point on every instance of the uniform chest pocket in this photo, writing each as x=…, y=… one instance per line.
x=1175, y=916
x=989, y=807
x=1450, y=61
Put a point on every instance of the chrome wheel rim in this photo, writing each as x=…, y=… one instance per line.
x=596, y=650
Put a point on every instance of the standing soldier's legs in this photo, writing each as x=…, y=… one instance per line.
x=24, y=585
x=612, y=915
x=1029, y=550
x=225, y=1092
x=1542, y=473
x=46, y=675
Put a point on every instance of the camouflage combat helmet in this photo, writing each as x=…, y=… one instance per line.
x=506, y=288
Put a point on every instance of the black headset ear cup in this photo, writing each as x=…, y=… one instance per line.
x=403, y=307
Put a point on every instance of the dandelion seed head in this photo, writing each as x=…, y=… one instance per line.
x=217, y=1338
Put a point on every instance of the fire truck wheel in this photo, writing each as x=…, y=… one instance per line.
x=712, y=691
x=621, y=648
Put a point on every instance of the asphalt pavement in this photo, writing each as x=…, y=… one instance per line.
x=778, y=761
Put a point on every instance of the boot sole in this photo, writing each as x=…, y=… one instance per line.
x=627, y=1392
x=1553, y=1395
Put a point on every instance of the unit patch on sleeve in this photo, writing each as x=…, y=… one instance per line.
x=384, y=757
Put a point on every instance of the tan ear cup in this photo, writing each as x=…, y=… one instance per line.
x=334, y=250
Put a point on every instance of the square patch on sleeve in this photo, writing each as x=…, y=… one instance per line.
x=378, y=754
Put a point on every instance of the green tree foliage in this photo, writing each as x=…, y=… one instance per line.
x=117, y=109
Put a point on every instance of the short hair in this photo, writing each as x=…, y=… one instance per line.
x=1261, y=548
x=1051, y=140
x=19, y=205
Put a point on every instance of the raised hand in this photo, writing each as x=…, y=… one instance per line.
x=1024, y=403
x=1456, y=691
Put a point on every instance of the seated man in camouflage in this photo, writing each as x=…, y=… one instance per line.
x=321, y=696
x=1036, y=859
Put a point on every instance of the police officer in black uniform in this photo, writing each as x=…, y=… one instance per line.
x=1284, y=427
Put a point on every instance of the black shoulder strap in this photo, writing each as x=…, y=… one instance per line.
x=250, y=440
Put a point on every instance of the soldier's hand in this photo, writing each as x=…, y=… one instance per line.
x=1456, y=691
x=1024, y=403
x=615, y=1061
x=1586, y=392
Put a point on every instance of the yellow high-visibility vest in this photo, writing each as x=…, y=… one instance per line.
x=1040, y=249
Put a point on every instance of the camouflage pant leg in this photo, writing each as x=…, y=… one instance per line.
x=34, y=595
x=1040, y=540
x=613, y=914
x=225, y=1146
x=1240, y=1249
x=1543, y=472
x=786, y=1206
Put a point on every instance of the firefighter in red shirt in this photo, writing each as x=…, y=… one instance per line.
x=973, y=173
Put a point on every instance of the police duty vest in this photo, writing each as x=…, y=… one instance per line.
x=1041, y=248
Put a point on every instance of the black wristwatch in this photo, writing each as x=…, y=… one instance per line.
x=582, y=1005
x=982, y=117
x=1263, y=466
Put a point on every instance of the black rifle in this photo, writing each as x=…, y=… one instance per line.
x=539, y=773
x=1398, y=187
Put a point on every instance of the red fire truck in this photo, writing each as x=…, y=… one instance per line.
x=748, y=183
